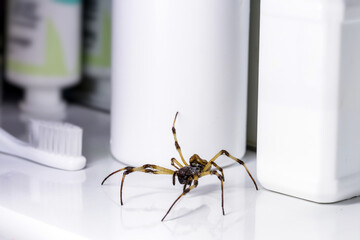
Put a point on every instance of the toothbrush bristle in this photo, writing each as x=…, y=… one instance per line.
x=56, y=137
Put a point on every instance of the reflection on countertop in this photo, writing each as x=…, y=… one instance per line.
x=76, y=203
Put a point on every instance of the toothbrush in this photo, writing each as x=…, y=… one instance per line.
x=53, y=144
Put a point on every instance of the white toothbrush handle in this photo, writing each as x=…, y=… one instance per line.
x=9, y=144
x=13, y=146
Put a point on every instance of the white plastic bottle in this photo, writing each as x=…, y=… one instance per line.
x=182, y=55
x=309, y=101
x=43, y=53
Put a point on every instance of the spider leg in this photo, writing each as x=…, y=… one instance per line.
x=176, y=142
x=220, y=169
x=224, y=152
x=221, y=178
x=122, y=169
x=174, y=177
x=147, y=168
x=184, y=192
x=189, y=182
x=129, y=168
x=173, y=161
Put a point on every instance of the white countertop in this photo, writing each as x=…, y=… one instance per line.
x=37, y=202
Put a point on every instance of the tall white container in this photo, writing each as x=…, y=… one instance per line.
x=182, y=55
x=309, y=101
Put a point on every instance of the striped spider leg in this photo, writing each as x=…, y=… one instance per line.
x=186, y=173
x=177, y=144
x=224, y=152
x=147, y=168
x=195, y=178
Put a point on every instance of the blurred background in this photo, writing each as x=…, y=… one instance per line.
x=82, y=38
x=22, y=29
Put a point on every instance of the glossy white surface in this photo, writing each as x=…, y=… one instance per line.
x=38, y=202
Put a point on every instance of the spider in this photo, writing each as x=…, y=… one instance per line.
x=187, y=174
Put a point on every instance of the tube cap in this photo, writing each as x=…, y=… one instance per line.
x=44, y=103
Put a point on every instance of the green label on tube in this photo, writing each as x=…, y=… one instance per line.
x=68, y=1
x=54, y=64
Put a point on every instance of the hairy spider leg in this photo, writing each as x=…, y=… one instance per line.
x=176, y=141
x=173, y=161
x=221, y=178
x=147, y=168
x=196, y=178
x=224, y=152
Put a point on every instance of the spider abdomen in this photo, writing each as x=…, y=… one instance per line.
x=186, y=172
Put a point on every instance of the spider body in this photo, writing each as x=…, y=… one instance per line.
x=188, y=174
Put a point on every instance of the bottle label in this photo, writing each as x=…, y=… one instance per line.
x=41, y=41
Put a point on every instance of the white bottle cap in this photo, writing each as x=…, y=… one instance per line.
x=43, y=103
